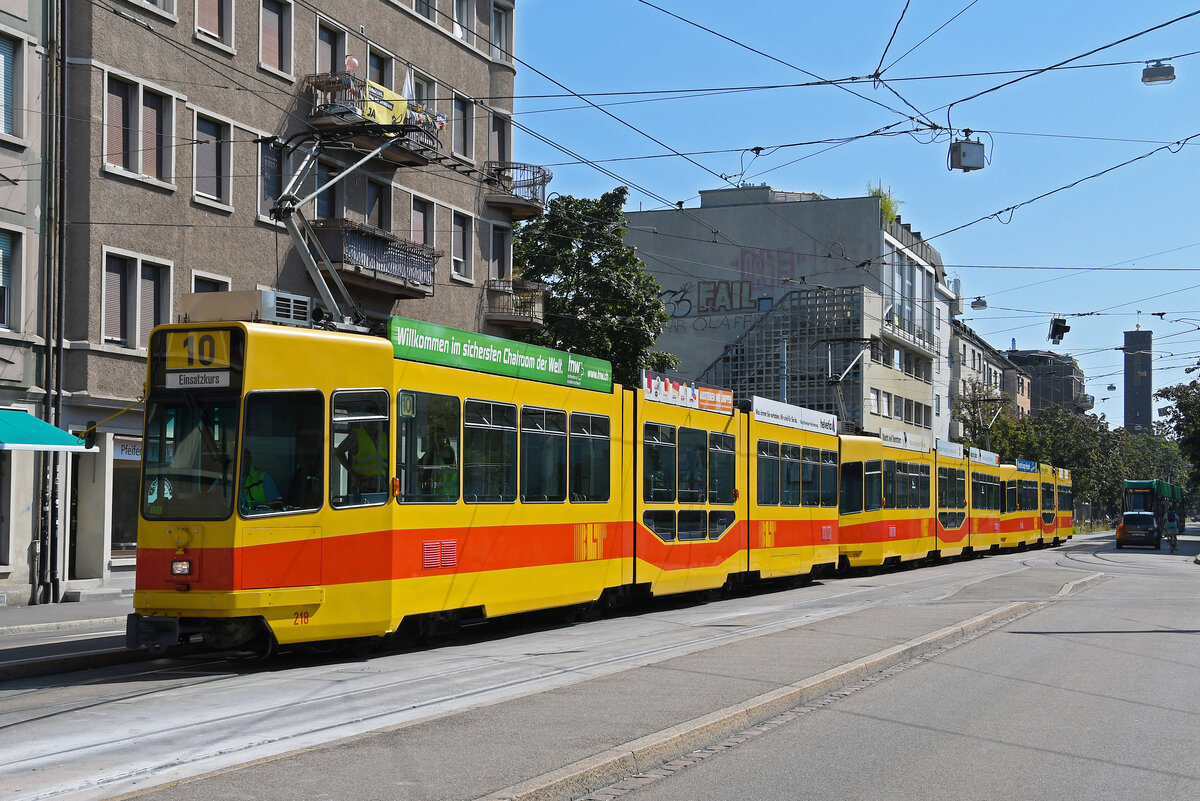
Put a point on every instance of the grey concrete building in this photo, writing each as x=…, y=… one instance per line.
x=184, y=122
x=1139, y=381
x=774, y=292
x=1057, y=380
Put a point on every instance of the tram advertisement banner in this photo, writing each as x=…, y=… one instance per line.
x=453, y=347
x=673, y=391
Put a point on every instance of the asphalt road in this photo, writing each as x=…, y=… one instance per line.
x=552, y=713
x=1093, y=697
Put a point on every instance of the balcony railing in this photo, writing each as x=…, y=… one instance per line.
x=368, y=114
x=376, y=259
x=516, y=303
x=910, y=331
x=519, y=187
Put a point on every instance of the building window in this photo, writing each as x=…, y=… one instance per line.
x=461, y=246
x=212, y=176
x=422, y=222
x=8, y=264
x=498, y=141
x=426, y=8
x=138, y=130
x=331, y=48
x=462, y=127
x=381, y=68
x=329, y=204
x=378, y=210
x=423, y=93
x=136, y=299
x=499, y=255
x=874, y=401
x=464, y=22
x=502, y=32
x=214, y=21
x=209, y=283
x=275, y=35
x=270, y=171
x=12, y=86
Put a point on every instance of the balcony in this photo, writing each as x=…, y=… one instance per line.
x=350, y=109
x=515, y=303
x=374, y=259
x=911, y=332
x=520, y=188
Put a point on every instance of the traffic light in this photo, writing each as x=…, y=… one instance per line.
x=1058, y=327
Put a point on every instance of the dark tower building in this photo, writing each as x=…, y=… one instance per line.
x=1139, y=383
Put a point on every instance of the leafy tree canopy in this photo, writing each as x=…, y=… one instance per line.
x=1099, y=458
x=601, y=301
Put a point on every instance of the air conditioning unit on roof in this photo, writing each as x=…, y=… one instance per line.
x=252, y=306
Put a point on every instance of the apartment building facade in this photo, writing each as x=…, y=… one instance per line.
x=979, y=370
x=186, y=120
x=25, y=192
x=775, y=293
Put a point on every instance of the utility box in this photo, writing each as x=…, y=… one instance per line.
x=966, y=155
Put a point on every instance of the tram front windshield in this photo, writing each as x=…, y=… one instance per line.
x=188, y=459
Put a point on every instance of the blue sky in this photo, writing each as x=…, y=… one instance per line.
x=1098, y=252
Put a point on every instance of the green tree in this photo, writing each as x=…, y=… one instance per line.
x=1183, y=417
x=979, y=409
x=601, y=301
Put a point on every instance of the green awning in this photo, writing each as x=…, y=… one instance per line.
x=21, y=431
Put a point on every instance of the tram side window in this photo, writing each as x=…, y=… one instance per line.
x=829, y=478
x=358, y=470
x=658, y=483
x=790, y=478
x=810, y=477
x=942, y=484
x=852, y=488
x=873, y=486
x=543, y=455
x=590, y=449
x=902, y=486
x=1027, y=500
x=925, y=497
x=889, y=484
x=282, y=456
x=1047, y=496
x=1064, y=499
x=692, y=525
x=768, y=473
x=427, y=447
x=1010, y=496
x=489, y=452
x=722, y=470
x=661, y=522
x=693, y=469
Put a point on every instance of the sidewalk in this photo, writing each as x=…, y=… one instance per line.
x=57, y=638
x=73, y=616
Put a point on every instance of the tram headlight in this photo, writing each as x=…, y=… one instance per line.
x=181, y=567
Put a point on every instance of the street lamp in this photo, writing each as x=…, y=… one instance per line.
x=1158, y=72
x=979, y=304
